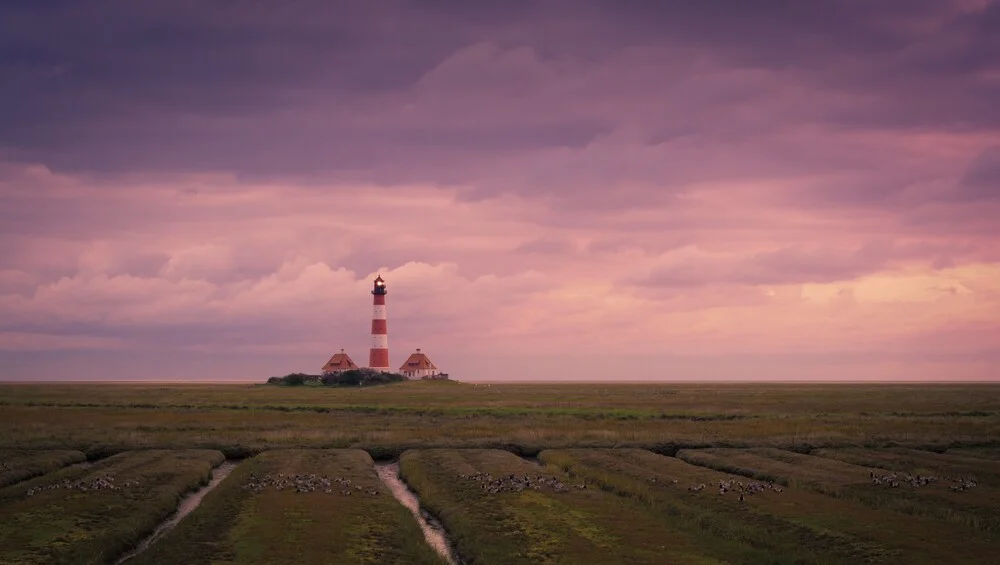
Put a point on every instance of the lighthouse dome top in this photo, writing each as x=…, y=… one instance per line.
x=379, y=287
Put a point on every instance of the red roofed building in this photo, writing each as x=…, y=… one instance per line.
x=419, y=366
x=339, y=363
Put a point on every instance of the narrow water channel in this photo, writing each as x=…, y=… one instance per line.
x=187, y=504
x=433, y=531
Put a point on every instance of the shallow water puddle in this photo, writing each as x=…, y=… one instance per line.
x=433, y=531
x=187, y=504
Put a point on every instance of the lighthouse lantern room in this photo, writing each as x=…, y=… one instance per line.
x=378, y=359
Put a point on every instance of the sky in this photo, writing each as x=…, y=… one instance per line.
x=552, y=189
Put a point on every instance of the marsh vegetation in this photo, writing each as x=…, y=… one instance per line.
x=94, y=513
x=515, y=473
x=296, y=506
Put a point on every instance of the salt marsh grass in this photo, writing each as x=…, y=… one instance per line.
x=948, y=466
x=245, y=419
x=992, y=454
x=849, y=481
x=19, y=465
x=795, y=525
x=92, y=514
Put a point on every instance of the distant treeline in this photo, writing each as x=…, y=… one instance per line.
x=357, y=377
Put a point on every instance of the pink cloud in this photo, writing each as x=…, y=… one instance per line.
x=283, y=269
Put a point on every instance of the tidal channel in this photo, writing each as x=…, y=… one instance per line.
x=434, y=533
x=187, y=504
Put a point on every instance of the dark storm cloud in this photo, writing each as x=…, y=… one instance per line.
x=120, y=86
x=769, y=30
x=118, y=82
x=912, y=63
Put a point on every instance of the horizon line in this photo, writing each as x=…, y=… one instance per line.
x=528, y=381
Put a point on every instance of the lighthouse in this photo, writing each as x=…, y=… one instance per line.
x=378, y=359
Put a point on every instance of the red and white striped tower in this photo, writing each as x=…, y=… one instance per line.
x=378, y=359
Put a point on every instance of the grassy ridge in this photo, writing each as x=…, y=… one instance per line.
x=852, y=482
x=71, y=525
x=977, y=452
x=542, y=526
x=944, y=465
x=781, y=466
x=237, y=525
x=745, y=530
x=796, y=525
x=20, y=465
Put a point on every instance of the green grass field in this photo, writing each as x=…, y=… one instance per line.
x=92, y=513
x=627, y=443
x=244, y=419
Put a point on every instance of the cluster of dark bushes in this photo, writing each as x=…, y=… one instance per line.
x=295, y=379
x=362, y=377
x=356, y=377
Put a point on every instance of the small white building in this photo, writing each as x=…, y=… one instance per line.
x=419, y=366
x=339, y=363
